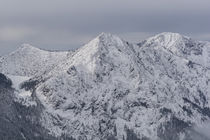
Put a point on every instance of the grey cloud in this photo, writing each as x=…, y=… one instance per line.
x=67, y=24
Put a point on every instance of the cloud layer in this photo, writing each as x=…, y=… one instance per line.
x=68, y=24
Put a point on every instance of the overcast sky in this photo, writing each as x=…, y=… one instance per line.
x=68, y=24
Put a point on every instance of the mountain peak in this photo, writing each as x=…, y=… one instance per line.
x=169, y=37
x=104, y=35
x=29, y=60
x=169, y=34
x=174, y=42
x=106, y=39
x=26, y=46
x=104, y=46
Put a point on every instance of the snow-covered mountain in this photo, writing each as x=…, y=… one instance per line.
x=17, y=121
x=28, y=60
x=112, y=89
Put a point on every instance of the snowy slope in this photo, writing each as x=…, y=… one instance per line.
x=182, y=46
x=28, y=61
x=21, y=95
x=112, y=89
x=18, y=122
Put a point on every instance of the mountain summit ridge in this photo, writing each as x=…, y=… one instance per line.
x=113, y=89
x=28, y=60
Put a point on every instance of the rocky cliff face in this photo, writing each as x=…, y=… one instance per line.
x=112, y=89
